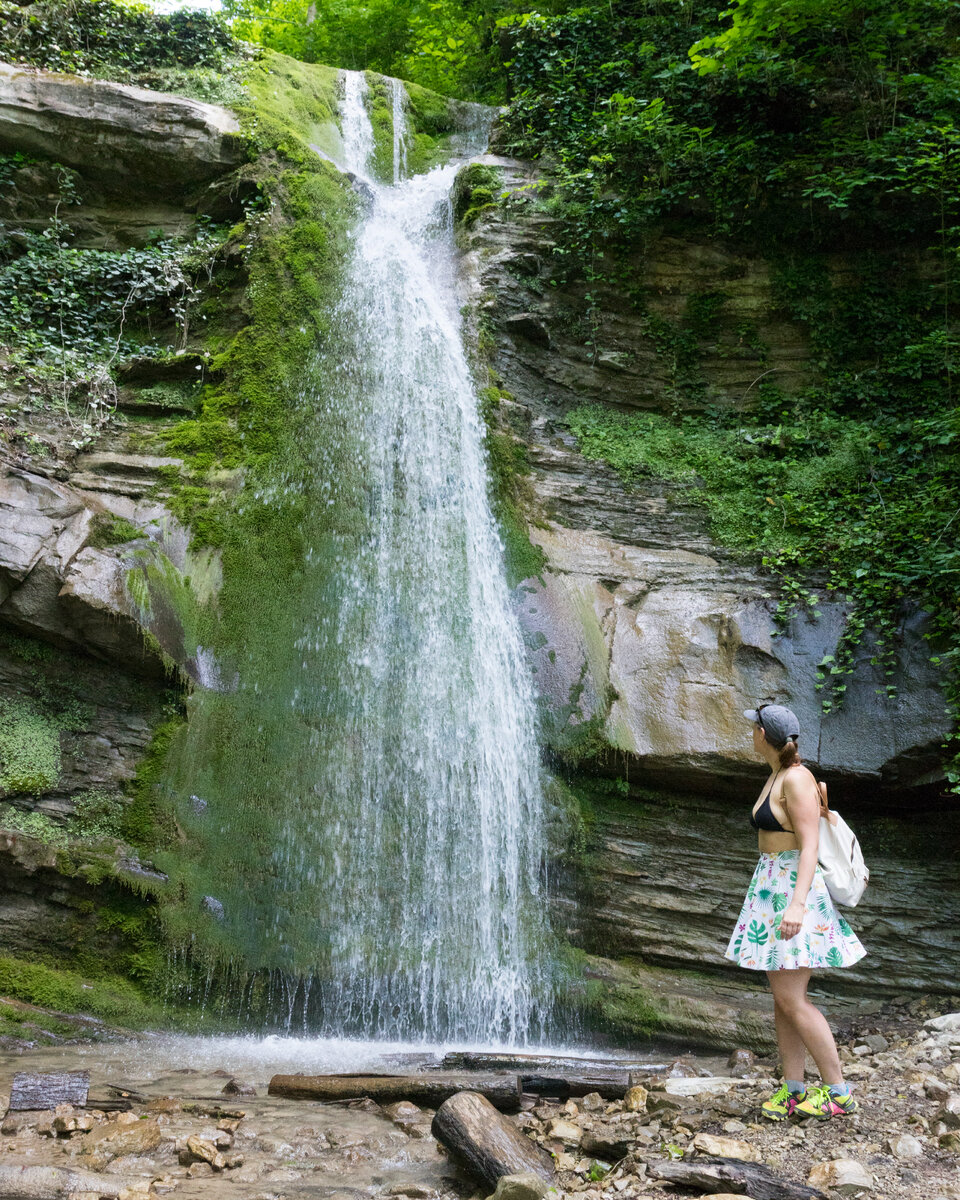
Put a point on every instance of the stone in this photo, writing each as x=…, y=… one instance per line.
x=529, y=326
x=635, y=1099
x=949, y=1112
x=121, y=133
x=235, y=1087
x=877, y=1042
x=564, y=1131
x=716, y=1086
x=949, y=1141
x=845, y=1176
x=952, y=1073
x=607, y=1144
x=741, y=1061
x=524, y=1186
x=45, y=1182
x=403, y=1112
x=592, y=1102
x=948, y=1023
x=722, y=1147
x=905, y=1146
x=205, y=1151
x=117, y=1139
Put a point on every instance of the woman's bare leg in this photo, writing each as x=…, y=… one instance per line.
x=801, y=1025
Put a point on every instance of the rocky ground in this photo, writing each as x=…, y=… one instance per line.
x=193, y=1135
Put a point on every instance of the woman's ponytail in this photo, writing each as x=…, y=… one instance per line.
x=789, y=755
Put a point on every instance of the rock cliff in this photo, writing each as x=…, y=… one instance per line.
x=641, y=627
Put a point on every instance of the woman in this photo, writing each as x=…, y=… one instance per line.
x=788, y=925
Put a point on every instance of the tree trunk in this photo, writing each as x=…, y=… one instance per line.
x=503, y=1091
x=487, y=1144
x=53, y=1183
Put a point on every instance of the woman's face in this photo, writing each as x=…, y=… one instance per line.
x=759, y=739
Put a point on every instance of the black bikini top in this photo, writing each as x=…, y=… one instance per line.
x=764, y=818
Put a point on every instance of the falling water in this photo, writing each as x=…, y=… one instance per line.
x=428, y=818
x=389, y=768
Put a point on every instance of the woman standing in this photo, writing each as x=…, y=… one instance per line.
x=788, y=925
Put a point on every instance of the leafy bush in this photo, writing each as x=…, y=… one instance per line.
x=89, y=35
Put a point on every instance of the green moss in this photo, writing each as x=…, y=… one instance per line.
x=380, y=111
x=476, y=189
x=108, y=530
x=148, y=822
x=510, y=493
x=110, y=998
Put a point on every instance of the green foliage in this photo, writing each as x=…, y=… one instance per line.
x=439, y=44
x=90, y=35
x=800, y=131
x=29, y=748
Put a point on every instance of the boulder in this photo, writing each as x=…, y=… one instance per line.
x=128, y=136
x=845, y=1176
x=564, y=1131
x=948, y=1023
x=635, y=1099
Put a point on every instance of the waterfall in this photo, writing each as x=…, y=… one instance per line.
x=428, y=821
x=366, y=827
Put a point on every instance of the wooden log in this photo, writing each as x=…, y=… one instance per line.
x=31, y=1091
x=503, y=1091
x=712, y=1175
x=485, y=1142
x=562, y=1086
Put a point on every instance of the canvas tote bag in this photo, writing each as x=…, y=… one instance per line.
x=841, y=859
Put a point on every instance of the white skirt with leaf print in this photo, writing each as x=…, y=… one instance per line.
x=825, y=939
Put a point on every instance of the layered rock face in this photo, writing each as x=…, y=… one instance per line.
x=640, y=623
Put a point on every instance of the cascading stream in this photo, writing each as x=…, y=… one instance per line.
x=427, y=825
x=365, y=808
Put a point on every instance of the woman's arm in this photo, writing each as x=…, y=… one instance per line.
x=801, y=799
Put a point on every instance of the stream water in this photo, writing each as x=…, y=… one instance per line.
x=400, y=799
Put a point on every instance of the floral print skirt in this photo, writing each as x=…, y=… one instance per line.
x=825, y=939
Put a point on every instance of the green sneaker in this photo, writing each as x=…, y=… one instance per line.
x=781, y=1104
x=821, y=1104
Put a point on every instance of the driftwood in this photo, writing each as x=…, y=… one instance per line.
x=32, y=1091
x=485, y=1142
x=557, y=1075
x=712, y=1175
x=503, y=1091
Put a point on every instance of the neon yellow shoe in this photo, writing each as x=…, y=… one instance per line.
x=781, y=1104
x=821, y=1104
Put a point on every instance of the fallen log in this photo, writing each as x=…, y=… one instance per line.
x=34, y=1091
x=563, y=1087
x=56, y=1183
x=713, y=1175
x=485, y=1142
x=503, y=1091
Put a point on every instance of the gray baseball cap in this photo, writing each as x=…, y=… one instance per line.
x=778, y=723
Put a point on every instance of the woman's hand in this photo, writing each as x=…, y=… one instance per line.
x=791, y=921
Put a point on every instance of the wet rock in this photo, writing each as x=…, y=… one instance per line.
x=679, y=1069
x=635, y=1099
x=722, y=1147
x=741, y=1062
x=213, y=906
x=524, y=1186
x=202, y=1150
x=403, y=1112
x=117, y=1139
x=845, y=1176
x=235, y=1087
x=72, y=1122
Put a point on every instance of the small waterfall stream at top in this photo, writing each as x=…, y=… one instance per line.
x=404, y=896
